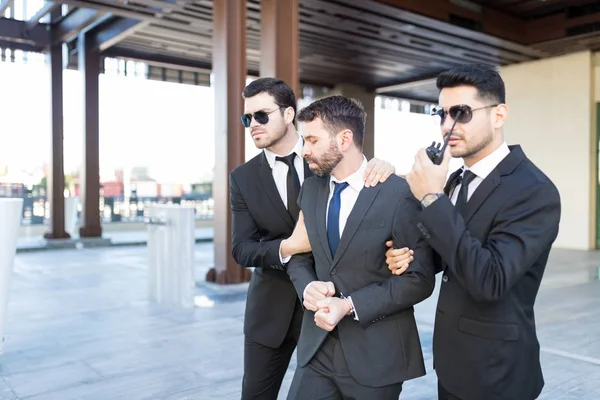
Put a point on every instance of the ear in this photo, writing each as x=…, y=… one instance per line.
x=289, y=115
x=346, y=137
x=500, y=116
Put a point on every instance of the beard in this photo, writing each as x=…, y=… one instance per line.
x=327, y=162
x=471, y=150
x=270, y=138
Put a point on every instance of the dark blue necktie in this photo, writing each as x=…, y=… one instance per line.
x=333, y=217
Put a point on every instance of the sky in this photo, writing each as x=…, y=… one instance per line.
x=166, y=127
x=163, y=126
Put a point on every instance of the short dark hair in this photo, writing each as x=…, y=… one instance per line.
x=338, y=113
x=282, y=92
x=485, y=79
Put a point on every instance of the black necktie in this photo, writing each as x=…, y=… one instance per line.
x=293, y=185
x=461, y=200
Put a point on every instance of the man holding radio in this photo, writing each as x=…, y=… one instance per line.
x=492, y=225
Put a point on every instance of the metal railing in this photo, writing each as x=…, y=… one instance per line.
x=36, y=209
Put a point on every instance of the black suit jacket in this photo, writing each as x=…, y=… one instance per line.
x=383, y=347
x=260, y=222
x=485, y=345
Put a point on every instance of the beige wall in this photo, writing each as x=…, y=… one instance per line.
x=552, y=116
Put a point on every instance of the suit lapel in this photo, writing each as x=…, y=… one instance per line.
x=265, y=177
x=481, y=193
x=452, y=181
x=321, y=215
x=363, y=203
x=491, y=182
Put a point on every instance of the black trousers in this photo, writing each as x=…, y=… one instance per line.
x=265, y=367
x=327, y=377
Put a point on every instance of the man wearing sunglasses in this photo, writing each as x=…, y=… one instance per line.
x=263, y=194
x=492, y=225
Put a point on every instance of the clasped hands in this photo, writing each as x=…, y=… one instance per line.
x=329, y=310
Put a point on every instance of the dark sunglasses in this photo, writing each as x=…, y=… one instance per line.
x=461, y=113
x=262, y=117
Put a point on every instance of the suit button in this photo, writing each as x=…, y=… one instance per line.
x=333, y=271
x=445, y=278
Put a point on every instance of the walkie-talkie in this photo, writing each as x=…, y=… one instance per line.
x=435, y=152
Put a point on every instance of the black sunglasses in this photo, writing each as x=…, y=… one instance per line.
x=262, y=117
x=463, y=111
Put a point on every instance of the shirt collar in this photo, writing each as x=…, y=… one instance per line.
x=484, y=167
x=271, y=157
x=356, y=181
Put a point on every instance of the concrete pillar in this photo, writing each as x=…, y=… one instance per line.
x=11, y=210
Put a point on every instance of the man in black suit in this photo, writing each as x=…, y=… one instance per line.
x=263, y=194
x=361, y=340
x=492, y=225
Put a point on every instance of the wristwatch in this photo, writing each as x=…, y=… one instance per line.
x=429, y=198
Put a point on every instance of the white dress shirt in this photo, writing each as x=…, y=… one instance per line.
x=348, y=197
x=280, y=169
x=482, y=169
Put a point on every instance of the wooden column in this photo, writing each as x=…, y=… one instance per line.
x=279, y=43
x=56, y=179
x=89, y=66
x=229, y=68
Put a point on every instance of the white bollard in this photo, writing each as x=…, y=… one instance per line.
x=71, y=204
x=10, y=215
x=171, y=241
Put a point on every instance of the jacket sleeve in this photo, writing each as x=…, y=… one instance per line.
x=523, y=229
x=301, y=267
x=248, y=248
x=301, y=270
x=399, y=292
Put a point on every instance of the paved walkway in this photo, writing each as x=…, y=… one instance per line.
x=79, y=327
x=109, y=238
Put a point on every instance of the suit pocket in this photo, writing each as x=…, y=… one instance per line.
x=372, y=224
x=489, y=330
